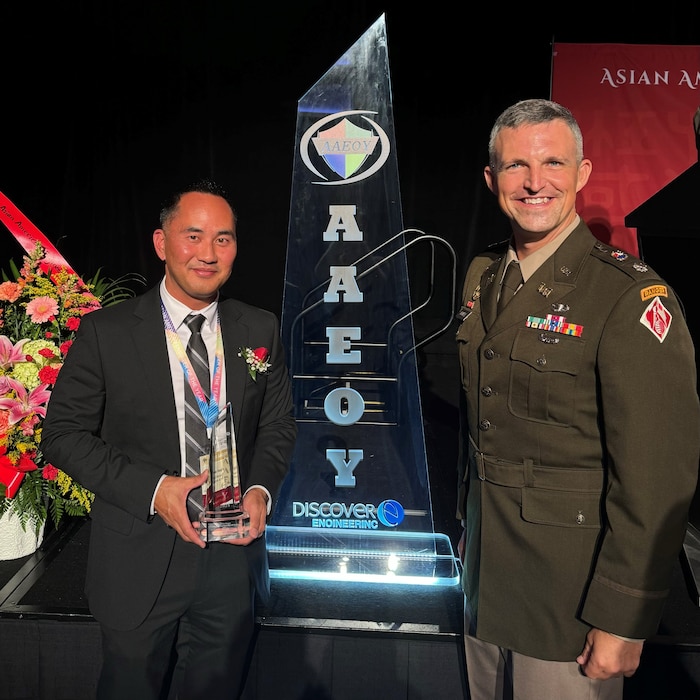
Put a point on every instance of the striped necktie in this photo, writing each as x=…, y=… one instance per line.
x=196, y=440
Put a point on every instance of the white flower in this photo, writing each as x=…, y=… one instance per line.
x=256, y=360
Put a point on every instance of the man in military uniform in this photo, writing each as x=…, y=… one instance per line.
x=580, y=438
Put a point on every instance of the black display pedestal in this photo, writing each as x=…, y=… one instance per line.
x=317, y=640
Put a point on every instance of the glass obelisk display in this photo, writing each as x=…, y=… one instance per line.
x=357, y=499
x=223, y=517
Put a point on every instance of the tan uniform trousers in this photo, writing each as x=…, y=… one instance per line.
x=494, y=673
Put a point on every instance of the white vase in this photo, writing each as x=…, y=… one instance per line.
x=16, y=542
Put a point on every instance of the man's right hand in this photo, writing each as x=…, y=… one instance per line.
x=462, y=545
x=171, y=504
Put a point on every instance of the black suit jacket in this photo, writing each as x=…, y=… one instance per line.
x=111, y=424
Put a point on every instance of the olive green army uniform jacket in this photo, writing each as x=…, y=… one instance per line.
x=580, y=450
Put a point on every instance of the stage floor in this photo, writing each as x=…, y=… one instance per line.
x=325, y=640
x=340, y=634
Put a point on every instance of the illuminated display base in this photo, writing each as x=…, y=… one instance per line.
x=377, y=557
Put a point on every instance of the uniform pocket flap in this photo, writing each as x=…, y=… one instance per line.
x=546, y=351
x=562, y=508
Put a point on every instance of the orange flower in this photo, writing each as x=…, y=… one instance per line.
x=10, y=291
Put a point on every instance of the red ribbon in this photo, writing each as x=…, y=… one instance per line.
x=28, y=235
x=12, y=480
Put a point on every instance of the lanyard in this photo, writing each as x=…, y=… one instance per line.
x=208, y=407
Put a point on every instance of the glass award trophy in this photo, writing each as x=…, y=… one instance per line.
x=223, y=517
x=356, y=503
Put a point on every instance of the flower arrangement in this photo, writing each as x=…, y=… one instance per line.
x=256, y=360
x=41, y=306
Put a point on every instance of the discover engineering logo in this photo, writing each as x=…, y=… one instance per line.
x=350, y=516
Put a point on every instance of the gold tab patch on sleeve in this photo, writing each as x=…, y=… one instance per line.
x=656, y=290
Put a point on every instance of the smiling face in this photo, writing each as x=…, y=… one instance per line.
x=537, y=179
x=198, y=245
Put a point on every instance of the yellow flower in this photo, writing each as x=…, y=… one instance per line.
x=27, y=373
x=42, y=305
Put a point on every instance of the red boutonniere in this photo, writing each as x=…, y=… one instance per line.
x=256, y=360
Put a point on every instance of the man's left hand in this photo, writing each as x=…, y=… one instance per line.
x=606, y=656
x=255, y=504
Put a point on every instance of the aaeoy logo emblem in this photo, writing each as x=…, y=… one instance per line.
x=342, y=145
x=390, y=513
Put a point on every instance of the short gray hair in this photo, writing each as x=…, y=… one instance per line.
x=535, y=111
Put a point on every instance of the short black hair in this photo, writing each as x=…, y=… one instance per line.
x=204, y=185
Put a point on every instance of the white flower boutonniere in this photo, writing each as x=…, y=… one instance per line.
x=256, y=360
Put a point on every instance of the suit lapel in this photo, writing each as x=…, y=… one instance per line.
x=148, y=338
x=151, y=356
x=236, y=335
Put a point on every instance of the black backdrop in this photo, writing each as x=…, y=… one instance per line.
x=107, y=105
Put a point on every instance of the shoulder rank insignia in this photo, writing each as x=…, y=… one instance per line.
x=467, y=308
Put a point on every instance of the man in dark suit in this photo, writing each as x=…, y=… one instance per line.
x=176, y=613
x=581, y=435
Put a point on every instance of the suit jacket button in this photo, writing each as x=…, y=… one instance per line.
x=486, y=391
x=489, y=354
x=484, y=424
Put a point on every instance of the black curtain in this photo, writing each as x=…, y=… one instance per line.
x=108, y=105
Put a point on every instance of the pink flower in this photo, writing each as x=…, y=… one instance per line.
x=28, y=425
x=261, y=354
x=25, y=403
x=42, y=309
x=9, y=353
x=72, y=323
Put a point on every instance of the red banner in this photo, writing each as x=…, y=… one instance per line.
x=635, y=104
x=27, y=234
